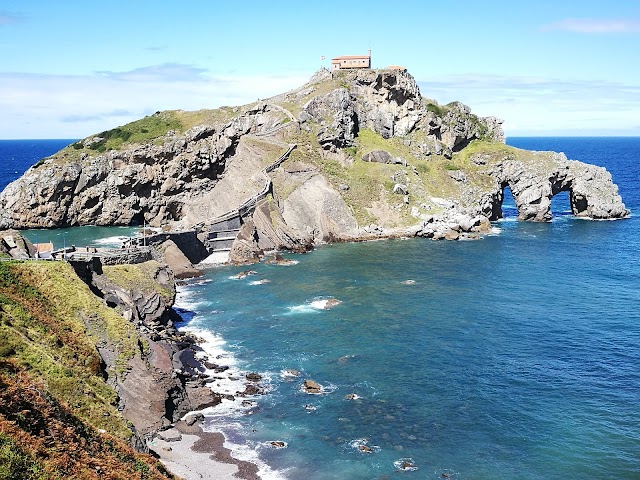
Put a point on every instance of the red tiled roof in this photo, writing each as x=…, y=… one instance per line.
x=350, y=57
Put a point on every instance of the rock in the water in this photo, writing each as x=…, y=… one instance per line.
x=592, y=193
x=312, y=387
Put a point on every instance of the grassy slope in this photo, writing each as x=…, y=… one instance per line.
x=138, y=277
x=54, y=398
x=370, y=183
x=150, y=129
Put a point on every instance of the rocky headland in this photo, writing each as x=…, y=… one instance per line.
x=351, y=155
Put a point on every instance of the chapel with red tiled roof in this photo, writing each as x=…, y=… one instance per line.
x=351, y=61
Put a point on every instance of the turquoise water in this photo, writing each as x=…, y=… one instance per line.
x=103, y=237
x=516, y=356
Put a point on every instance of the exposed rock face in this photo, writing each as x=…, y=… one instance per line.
x=119, y=187
x=390, y=102
x=15, y=245
x=266, y=230
x=592, y=193
x=339, y=108
x=157, y=389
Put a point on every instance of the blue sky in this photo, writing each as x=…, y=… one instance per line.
x=72, y=68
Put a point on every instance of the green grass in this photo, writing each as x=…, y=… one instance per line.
x=16, y=464
x=143, y=130
x=50, y=323
x=150, y=129
x=434, y=107
x=140, y=276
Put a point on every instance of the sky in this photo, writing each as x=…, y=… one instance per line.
x=69, y=69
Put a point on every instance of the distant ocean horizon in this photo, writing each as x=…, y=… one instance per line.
x=512, y=357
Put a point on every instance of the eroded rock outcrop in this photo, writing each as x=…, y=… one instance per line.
x=160, y=383
x=120, y=187
x=15, y=246
x=353, y=154
x=592, y=193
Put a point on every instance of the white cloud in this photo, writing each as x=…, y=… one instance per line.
x=66, y=106
x=544, y=106
x=591, y=25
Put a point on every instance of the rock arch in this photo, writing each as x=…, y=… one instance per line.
x=592, y=193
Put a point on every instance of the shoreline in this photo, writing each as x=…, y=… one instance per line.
x=186, y=449
x=191, y=453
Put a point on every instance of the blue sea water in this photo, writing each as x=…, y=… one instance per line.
x=16, y=156
x=514, y=356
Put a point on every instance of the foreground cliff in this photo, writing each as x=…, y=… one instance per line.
x=350, y=155
x=91, y=366
x=59, y=418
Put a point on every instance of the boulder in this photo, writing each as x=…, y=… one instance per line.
x=312, y=387
x=381, y=156
x=193, y=418
x=177, y=261
x=400, y=189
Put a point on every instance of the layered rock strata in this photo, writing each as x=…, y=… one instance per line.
x=374, y=158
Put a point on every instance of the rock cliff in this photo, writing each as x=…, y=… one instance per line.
x=349, y=155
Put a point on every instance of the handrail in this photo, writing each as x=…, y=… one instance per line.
x=254, y=198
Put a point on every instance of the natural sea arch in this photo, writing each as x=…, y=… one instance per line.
x=537, y=202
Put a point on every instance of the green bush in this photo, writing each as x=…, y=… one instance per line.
x=439, y=110
x=16, y=464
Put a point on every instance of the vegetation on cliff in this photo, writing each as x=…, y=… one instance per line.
x=58, y=416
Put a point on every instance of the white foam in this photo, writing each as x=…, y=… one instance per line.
x=306, y=308
x=318, y=303
x=110, y=241
x=322, y=304
x=361, y=445
x=405, y=464
x=231, y=381
x=260, y=282
x=288, y=374
x=186, y=299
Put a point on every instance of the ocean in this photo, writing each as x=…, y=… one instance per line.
x=514, y=356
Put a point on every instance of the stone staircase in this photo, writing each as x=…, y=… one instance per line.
x=221, y=231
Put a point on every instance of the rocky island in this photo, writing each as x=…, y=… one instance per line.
x=351, y=155
x=92, y=366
